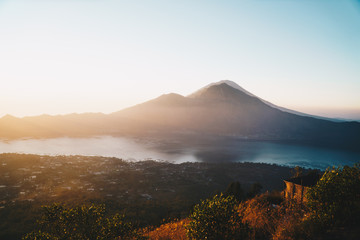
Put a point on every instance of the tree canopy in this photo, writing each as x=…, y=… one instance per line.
x=334, y=200
x=216, y=218
x=83, y=222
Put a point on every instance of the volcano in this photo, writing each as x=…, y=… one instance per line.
x=221, y=109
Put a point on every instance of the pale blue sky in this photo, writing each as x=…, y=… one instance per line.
x=68, y=56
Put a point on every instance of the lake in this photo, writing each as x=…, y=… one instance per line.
x=132, y=149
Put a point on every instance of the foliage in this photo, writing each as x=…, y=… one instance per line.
x=174, y=230
x=216, y=218
x=81, y=223
x=335, y=199
x=39, y=235
x=259, y=215
x=289, y=224
x=271, y=218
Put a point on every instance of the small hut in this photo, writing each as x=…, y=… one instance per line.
x=296, y=188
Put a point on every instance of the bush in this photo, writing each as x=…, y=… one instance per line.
x=81, y=223
x=260, y=215
x=216, y=218
x=289, y=224
x=271, y=218
x=335, y=200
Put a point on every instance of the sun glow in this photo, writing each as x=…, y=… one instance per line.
x=102, y=56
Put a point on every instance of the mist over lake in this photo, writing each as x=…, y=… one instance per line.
x=132, y=149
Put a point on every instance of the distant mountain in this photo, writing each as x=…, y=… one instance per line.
x=221, y=109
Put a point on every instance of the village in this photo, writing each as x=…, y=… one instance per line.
x=77, y=178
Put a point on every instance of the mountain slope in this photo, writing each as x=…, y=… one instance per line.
x=223, y=110
x=234, y=85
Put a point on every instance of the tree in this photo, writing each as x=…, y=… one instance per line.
x=335, y=199
x=216, y=218
x=81, y=223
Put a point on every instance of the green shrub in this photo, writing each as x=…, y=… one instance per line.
x=216, y=218
x=335, y=199
x=81, y=223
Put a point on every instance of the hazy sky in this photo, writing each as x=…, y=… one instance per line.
x=68, y=56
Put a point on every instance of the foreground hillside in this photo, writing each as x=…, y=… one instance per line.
x=330, y=210
x=109, y=197
x=147, y=192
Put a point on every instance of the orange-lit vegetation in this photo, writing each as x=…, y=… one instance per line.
x=269, y=217
x=331, y=212
x=174, y=230
x=216, y=218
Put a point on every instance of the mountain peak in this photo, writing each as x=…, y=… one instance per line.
x=231, y=84
x=227, y=82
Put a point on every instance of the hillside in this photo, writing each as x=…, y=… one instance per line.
x=147, y=192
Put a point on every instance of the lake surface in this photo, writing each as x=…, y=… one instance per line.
x=177, y=152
